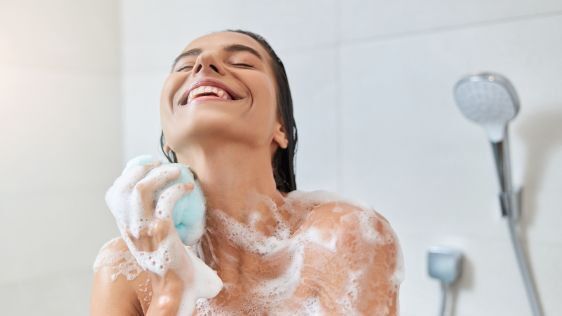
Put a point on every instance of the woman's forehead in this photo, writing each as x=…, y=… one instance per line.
x=219, y=40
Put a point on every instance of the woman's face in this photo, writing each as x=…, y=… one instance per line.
x=221, y=90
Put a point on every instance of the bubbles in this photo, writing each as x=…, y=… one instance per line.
x=398, y=276
x=253, y=218
x=317, y=237
x=121, y=262
x=145, y=291
x=312, y=306
x=293, y=255
x=251, y=240
x=283, y=286
x=307, y=250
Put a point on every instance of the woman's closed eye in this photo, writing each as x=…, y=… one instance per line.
x=184, y=68
x=242, y=65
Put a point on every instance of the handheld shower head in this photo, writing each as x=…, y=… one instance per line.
x=488, y=99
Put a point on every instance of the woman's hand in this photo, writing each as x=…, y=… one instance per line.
x=145, y=223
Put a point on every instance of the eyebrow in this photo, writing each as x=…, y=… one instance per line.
x=228, y=48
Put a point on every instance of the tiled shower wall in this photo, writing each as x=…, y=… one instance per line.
x=60, y=121
x=372, y=86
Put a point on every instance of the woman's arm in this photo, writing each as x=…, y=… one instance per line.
x=145, y=222
x=112, y=293
x=120, y=285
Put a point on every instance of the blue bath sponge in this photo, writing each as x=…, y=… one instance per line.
x=189, y=212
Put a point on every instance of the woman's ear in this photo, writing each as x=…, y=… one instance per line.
x=280, y=136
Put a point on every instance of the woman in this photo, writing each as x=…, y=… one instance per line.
x=226, y=111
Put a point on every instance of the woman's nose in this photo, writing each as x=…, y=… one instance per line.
x=206, y=63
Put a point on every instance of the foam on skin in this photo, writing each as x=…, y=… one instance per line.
x=188, y=212
x=138, y=215
x=121, y=262
x=279, y=294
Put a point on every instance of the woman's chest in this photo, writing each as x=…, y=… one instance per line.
x=253, y=302
x=301, y=282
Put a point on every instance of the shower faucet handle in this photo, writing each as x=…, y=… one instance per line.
x=444, y=264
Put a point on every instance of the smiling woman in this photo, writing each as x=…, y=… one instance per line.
x=226, y=111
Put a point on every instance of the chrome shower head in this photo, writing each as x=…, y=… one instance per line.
x=488, y=99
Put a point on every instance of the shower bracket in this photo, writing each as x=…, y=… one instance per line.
x=511, y=202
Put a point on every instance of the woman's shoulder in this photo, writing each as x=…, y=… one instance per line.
x=117, y=281
x=353, y=229
x=117, y=259
x=330, y=206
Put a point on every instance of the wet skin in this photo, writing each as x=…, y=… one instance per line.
x=230, y=144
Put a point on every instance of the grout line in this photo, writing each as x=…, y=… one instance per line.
x=124, y=78
x=339, y=42
x=123, y=75
x=442, y=29
x=339, y=108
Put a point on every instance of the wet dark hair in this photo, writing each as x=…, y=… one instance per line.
x=283, y=160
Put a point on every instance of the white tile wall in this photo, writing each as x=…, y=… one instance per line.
x=409, y=152
x=60, y=115
x=60, y=35
x=155, y=32
x=361, y=19
x=141, y=103
x=372, y=87
x=58, y=110
x=65, y=293
x=315, y=100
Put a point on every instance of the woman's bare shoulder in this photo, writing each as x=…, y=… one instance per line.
x=113, y=245
x=354, y=239
x=115, y=255
x=333, y=210
x=118, y=282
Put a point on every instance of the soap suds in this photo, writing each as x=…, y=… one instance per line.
x=120, y=262
x=317, y=237
x=276, y=294
x=312, y=306
x=141, y=213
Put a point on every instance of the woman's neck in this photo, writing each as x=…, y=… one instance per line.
x=235, y=180
x=238, y=183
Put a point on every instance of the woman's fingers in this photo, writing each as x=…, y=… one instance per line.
x=130, y=177
x=143, y=195
x=152, y=182
x=151, y=235
x=169, y=197
x=144, y=222
x=117, y=196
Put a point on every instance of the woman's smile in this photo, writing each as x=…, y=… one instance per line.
x=207, y=89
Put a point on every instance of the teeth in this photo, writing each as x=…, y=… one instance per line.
x=208, y=89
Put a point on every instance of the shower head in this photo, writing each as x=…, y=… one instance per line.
x=488, y=99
